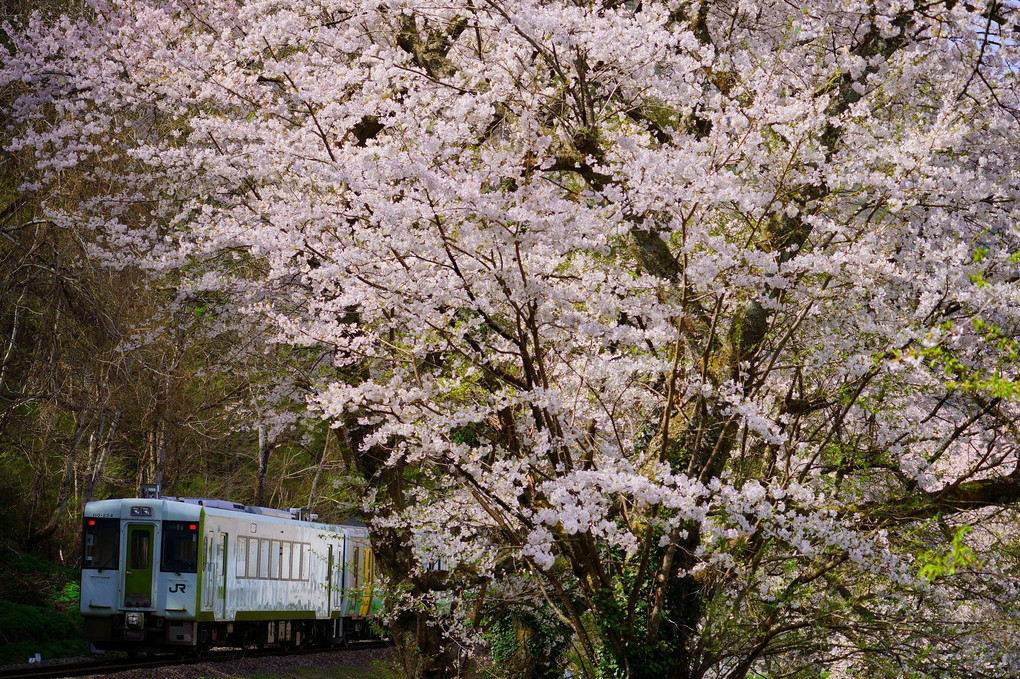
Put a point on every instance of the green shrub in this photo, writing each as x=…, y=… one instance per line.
x=19, y=622
x=38, y=609
x=54, y=648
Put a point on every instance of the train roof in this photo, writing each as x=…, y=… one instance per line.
x=293, y=513
x=111, y=507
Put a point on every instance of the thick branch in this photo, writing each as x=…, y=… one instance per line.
x=953, y=499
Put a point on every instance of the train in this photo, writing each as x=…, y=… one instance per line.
x=185, y=574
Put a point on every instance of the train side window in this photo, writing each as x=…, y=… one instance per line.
x=180, y=547
x=264, y=559
x=274, y=559
x=242, y=557
x=301, y=552
x=285, y=561
x=101, y=543
x=356, y=567
x=253, y=557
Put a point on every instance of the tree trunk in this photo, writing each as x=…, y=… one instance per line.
x=318, y=469
x=265, y=448
x=150, y=467
x=70, y=465
x=12, y=342
x=421, y=647
x=98, y=452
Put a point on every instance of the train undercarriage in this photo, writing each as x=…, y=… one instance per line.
x=135, y=632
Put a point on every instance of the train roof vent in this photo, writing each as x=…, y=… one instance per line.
x=268, y=511
x=302, y=514
x=207, y=502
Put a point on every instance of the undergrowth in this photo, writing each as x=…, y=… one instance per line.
x=38, y=609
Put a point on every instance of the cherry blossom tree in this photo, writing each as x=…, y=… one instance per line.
x=699, y=318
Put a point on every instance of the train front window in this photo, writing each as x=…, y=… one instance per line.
x=180, y=547
x=101, y=548
x=139, y=557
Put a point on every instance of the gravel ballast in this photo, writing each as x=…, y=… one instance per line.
x=360, y=664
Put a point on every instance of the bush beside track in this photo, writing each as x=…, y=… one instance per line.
x=38, y=609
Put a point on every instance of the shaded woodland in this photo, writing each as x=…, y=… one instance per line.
x=109, y=380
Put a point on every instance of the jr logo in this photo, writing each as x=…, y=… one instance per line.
x=178, y=587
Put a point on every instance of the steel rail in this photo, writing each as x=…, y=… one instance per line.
x=113, y=665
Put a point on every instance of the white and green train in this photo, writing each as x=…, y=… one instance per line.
x=182, y=572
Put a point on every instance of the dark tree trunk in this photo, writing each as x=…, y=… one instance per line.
x=265, y=448
x=421, y=647
x=45, y=532
x=99, y=450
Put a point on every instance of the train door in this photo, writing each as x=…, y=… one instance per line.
x=367, y=573
x=337, y=595
x=220, y=606
x=330, y=583
x=214, y=573
x=354, y=568
x=138, y=572
x=208, y=570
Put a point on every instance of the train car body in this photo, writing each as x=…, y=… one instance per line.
x=169, y=572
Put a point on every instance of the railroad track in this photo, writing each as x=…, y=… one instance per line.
x=89, y=667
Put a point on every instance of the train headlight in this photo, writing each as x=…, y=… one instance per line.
x=134, y=620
